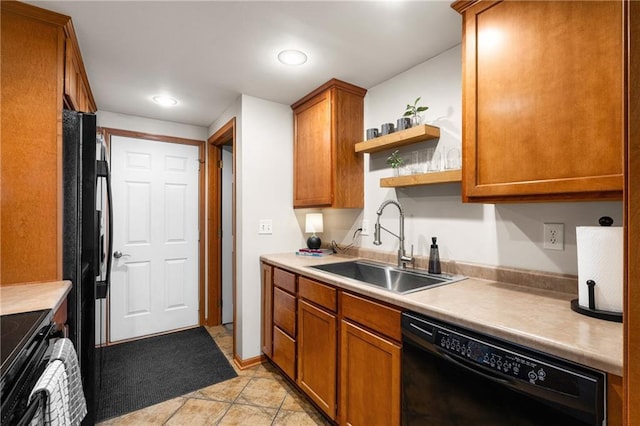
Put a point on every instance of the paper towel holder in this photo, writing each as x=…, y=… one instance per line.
x=591, y=311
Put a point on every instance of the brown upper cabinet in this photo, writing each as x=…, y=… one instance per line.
x=543, y=100
x=34, y=42
x=328, y=122
x=77, y=93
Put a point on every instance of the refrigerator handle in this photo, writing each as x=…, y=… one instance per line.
x=103, y=286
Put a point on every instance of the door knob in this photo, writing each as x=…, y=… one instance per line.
x=118, y=254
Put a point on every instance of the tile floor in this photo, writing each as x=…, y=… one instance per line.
x=258, y=396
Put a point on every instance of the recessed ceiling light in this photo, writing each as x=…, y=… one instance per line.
x=292, y=57
x=164, y=100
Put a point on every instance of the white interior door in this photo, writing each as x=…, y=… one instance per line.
x=154, y=284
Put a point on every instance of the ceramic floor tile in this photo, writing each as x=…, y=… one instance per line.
x=267, y=371
x=197, y=412
x=154, y=415
x=240, y=414
x=294, y=401
x=298, y=418
x=225, y=343
x=263, y=392
x=227, y=390
x=217, y=331
x=194, y=394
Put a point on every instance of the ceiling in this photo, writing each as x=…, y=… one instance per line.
x=207, y=53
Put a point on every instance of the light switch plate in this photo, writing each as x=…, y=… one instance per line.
x=265, y=226
x=553, y=236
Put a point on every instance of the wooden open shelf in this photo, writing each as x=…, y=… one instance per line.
x=400, y=138
x=422, y=179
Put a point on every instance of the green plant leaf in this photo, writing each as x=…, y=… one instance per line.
x=394, y=160
x=417, y=100
x=420, y=109
x=407, y=114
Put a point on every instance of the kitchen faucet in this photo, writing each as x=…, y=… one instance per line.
x=403, y=259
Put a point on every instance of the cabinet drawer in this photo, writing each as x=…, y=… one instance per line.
x=285, y=280
x=377, y=317
x=284, y=311
x=284, y=352
x=317, y=293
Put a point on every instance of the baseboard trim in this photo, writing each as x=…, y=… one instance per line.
x=243, y=364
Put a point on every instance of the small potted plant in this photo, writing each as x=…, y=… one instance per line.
x=414, y=111
x=395, y=161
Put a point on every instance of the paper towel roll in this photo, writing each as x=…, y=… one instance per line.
x=600, y=253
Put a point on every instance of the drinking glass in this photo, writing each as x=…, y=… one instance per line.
x=435, y=165
x=452, y=160
x=415, y=162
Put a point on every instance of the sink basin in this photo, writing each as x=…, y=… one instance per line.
x=397, y=280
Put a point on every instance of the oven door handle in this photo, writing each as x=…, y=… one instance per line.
x=39, y=402
x=476, y=369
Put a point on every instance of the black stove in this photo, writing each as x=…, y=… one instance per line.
x=23, y=345
x=17, y=330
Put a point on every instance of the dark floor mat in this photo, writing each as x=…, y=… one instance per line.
x=145, y=372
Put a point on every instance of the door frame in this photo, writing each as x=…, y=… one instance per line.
x=226, y=135
x=108, y=133
x=631, y=214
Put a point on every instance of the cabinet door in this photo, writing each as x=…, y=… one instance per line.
x=317, y=335
x=31, y=170
x=284, y=311
x=267, y=310
x=369, y=378
x=312, y=180
x=543, y=100
x=70, y=76
x=76, y=90
x=284, y=352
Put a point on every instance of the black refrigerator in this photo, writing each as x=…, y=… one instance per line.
x=84, y=246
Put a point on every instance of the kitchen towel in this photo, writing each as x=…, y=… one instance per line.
x=600, y=252
x=53, y=382
x=64, y=351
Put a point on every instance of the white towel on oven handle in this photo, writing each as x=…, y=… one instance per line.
x=64, y=351
x=53, y=382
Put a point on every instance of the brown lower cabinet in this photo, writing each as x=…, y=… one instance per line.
x=267, y=309
x=317, y=363
x=369, y=377
x=284, y=352
x=344, y=350
x=284, y=325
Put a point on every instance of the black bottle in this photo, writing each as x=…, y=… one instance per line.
x=434, y=258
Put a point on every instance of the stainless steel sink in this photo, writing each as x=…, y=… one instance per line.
x=401, y=281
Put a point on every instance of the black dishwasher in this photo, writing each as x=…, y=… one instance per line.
x=454, y=376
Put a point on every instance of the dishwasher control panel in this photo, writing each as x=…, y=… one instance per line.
x=506, y=362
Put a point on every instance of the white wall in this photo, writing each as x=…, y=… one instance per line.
x=264, y=161
x=507, y=235
x=147, y=125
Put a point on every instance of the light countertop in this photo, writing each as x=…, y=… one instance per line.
x=33, y=296
x=536, y=318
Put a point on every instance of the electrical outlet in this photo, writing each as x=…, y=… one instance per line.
x=553, y=236
x=265, y=226
x=365, y=227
